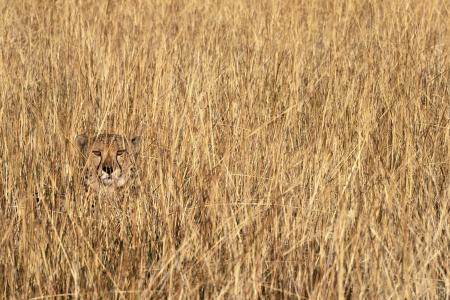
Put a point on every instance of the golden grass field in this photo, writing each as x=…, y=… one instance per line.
x=290, y=149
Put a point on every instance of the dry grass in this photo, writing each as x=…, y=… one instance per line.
x=295, y=149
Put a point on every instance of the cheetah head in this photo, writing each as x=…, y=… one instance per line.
x=109, y=160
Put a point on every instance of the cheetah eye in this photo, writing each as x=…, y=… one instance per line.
x=97, y=153
x=120, y=152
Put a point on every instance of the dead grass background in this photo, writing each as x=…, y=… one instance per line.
x=291, y=149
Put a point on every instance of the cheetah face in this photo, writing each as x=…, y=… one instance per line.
x=109, y=160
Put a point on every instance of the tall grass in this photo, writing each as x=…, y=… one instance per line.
x=291, y=149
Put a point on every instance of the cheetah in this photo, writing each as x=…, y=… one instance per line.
x=109, y=161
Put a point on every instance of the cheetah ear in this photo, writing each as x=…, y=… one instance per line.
x=136, y=142
x=81, y=140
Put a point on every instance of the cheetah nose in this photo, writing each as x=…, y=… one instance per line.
x=107, y=169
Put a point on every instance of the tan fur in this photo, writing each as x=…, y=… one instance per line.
x=109, y=161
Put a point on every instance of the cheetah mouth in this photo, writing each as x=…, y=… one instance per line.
x=107, y=181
